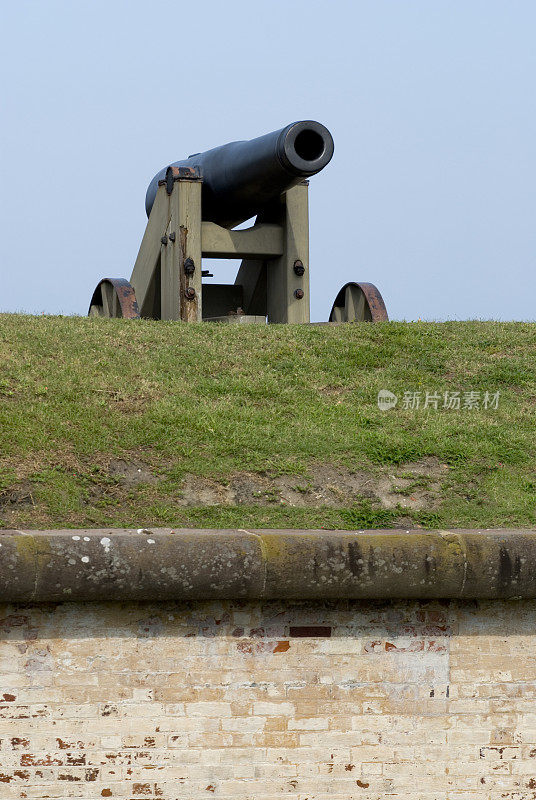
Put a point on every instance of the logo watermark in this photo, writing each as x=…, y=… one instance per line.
x=386, y=400
x=450, y=401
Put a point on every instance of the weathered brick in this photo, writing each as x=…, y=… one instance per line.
x=276, y=709
x=407, y=700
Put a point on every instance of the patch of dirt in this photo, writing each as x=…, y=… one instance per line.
x=430, y=466
x=130, y=402
x=130, y=473
x=335, y=391
x=415, y=485
x=197, y=491
x=15, y=498
x=412, y=485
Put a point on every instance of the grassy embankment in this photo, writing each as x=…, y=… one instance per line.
x=139, y=423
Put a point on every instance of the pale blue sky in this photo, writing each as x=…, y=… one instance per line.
x=431, y=192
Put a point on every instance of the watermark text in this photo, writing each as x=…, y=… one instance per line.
x=449, y=400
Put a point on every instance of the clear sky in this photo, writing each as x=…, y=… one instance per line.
x=431, y=192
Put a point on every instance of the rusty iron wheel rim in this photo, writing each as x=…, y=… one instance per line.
x=359, y=302
x=114, y=297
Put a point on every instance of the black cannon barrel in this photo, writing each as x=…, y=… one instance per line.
x=240, y=178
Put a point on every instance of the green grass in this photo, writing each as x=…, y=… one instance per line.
x=219, y=401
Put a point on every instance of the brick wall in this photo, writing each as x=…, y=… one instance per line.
x=302, y=701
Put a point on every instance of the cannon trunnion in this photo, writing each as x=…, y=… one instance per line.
x=193, y=207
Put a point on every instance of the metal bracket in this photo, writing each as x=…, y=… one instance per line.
x=179, y=174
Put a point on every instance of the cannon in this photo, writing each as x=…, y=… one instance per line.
x=193, y=208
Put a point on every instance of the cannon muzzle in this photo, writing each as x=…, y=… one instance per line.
x=242, y=178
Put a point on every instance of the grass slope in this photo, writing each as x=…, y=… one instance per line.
x=79, y=397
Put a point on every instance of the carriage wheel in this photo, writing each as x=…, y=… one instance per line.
x=114, y=297
x=359, y=302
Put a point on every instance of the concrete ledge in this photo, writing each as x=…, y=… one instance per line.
x=164, y=564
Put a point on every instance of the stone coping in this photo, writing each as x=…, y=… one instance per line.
x=187, y=564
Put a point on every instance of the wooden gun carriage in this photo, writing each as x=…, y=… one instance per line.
x=193, y=208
